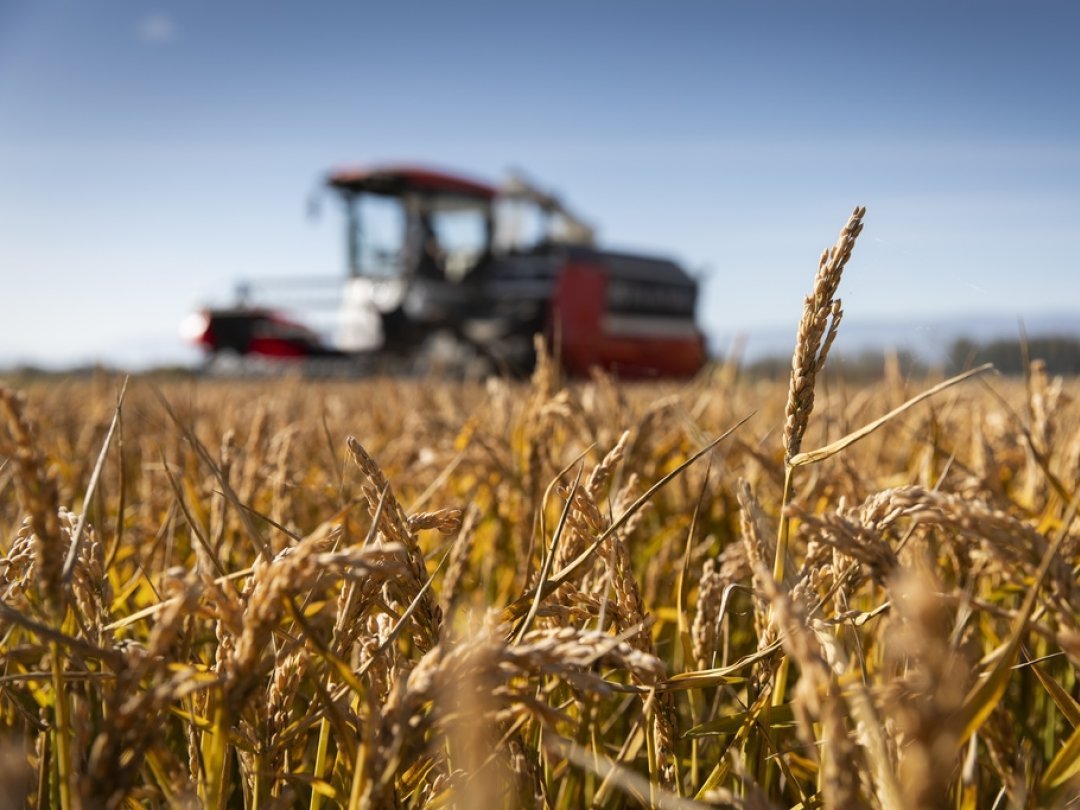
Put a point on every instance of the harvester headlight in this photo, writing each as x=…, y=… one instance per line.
x=194, y=327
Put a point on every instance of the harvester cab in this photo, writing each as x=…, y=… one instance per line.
x=446, y=267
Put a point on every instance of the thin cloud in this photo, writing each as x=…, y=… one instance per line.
x=156, y=29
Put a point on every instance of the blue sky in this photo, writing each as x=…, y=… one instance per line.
x=153, y=153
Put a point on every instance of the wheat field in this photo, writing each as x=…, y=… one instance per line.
x=553, y=593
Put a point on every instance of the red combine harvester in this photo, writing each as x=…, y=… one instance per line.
x=444, y=267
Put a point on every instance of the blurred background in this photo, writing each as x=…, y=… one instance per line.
x=153, y=154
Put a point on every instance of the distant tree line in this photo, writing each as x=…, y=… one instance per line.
x=1060, y=353
x=866, y=365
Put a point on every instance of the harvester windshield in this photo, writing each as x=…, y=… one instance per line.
x=375, y=236
x=405, y=220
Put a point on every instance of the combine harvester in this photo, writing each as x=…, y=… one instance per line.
x=447, y=272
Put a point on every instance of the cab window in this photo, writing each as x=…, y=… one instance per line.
x=462, y=239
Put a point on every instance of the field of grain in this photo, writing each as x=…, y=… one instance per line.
x=395, y=593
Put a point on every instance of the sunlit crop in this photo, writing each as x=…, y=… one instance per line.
x=426, y=593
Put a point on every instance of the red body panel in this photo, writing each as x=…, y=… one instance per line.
x=399, y=178
x=577, y=324
x=577, y=311
x=255, y=332
x=281, y=348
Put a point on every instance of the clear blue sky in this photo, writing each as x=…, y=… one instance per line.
x=152, y=153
